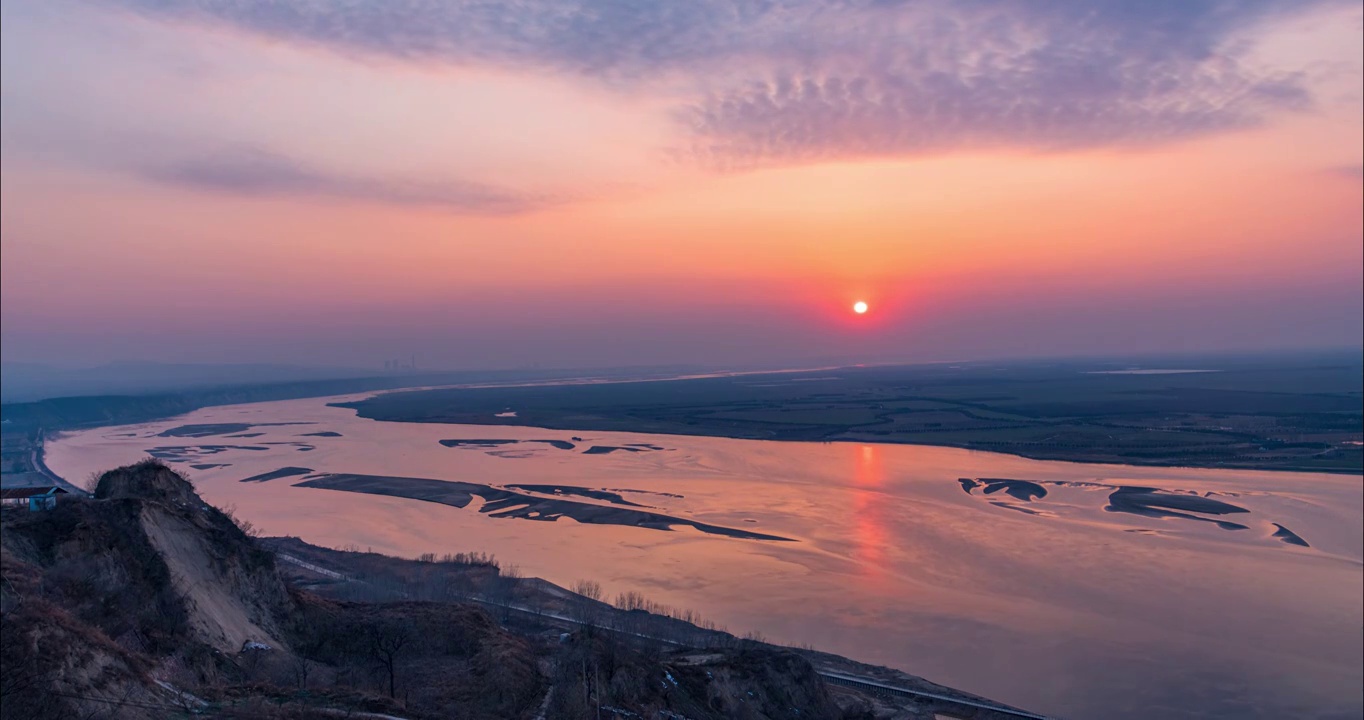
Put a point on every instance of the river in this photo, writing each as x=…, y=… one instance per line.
x=1075, y=603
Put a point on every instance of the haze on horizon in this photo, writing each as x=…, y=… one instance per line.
x=601, y=184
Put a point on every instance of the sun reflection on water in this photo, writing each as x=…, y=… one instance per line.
x=870, y=535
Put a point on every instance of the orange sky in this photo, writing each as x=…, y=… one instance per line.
x=227, y=194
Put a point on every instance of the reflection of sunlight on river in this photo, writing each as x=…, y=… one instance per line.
x=869, y=514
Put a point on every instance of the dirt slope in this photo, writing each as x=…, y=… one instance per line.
x=219, y=615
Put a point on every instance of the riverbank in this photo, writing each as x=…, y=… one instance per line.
x=1304, y=416
x=533, y=606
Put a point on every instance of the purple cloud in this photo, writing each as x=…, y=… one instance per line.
x=788, y=81
x=258, y=173
x=1349, y=172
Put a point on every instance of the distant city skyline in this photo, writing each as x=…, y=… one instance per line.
x=578, y=184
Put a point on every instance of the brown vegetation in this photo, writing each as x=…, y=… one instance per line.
x=145, y=602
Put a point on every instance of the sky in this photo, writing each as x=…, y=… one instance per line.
x=566, y=183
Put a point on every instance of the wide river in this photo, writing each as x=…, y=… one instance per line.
x=1069, y=603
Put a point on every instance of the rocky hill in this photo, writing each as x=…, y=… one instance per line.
x=145, y=602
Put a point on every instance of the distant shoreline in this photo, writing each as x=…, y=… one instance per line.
x=1287, y=416
x=1057, y=457
x=657, y=405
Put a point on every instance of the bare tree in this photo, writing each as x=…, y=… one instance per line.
x=246, y=526
x=386, y=642
x=587, y=609
x=503, y=590
x=590, y=589
x=301, y=667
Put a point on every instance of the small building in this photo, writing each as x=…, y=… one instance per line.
x=43, y=497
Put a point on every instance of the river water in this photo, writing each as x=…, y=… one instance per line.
x=1061, y=604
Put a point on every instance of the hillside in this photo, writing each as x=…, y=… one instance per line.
x=145, y=602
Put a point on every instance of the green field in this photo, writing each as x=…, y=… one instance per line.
x=1299, y=412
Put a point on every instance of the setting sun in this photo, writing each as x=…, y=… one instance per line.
x=614, y=238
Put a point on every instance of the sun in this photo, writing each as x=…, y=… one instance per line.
x=860, y=307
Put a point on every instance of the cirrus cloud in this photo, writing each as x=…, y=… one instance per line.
x=764, y=82
x=259, y=173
